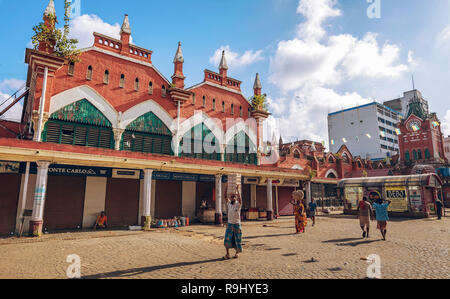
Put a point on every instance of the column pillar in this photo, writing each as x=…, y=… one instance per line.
x=218, y=217
x=308, y=193
x=37, y=219
x=117, y=138
x=269, y=200
x=147, y=200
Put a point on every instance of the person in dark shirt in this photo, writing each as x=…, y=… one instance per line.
x=439, y=206
x=313, y=210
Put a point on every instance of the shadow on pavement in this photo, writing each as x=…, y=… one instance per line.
x=138, y=271
x=354, y=244
x=341, y=240
x=268, y=236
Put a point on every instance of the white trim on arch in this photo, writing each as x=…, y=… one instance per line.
x=143, y=108
x=195, y=120
x=333, y=172
x=79, y=93
x=239, y=127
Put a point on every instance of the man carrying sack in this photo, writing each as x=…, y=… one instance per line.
x=233, y=234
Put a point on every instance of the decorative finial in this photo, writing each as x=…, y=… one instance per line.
x=126, y=25
x=50, y=10
x=223, y=63
x=257, y=84
x=179, y=55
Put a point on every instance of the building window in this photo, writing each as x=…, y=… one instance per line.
x=330, y=160
x=122, y=81
x=150, y=87
x=345, y=158
x=136, y=84
x=249, y=112
x=419, y=154
x=193, y=99
x=232, y=109
x=204, y=101
x=163, y=91
x=214, y=105
x=89, y=73
x=223, y=107
x=106, y=77
x=296, y=155
x=407, y=156
x=71, y=70
x=241, y=112
x=427, y=154
x=415, y=155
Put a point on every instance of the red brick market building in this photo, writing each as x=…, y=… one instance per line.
x=111, y=133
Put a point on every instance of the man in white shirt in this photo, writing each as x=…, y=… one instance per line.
x=233, y=234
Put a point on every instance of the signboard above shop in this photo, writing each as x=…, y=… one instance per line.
x=70, y=170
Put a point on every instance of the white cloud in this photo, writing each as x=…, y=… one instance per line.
x=11, y=85
x=13, y=114
x=443, y=37
x=446, y=124
x=84, y=26
x=7, y=87
x=316, y=12
x=235, y=60
x=308, y=68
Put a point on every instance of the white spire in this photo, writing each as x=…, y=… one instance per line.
x=179, y=55
x=223, y=62
x=50, y=10
x=257, y=84
x=126, y=25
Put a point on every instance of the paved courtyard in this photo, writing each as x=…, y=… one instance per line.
x=414, y=249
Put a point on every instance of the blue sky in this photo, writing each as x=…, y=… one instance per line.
x=314, y=56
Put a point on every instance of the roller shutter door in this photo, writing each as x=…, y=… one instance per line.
x=9, y=197
x=122, y=202
x=168, y=199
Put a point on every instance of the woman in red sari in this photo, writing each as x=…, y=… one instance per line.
x=299, y=211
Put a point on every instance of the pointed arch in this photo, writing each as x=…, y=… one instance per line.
x=143, y=108
x=79, y=93
x=248, y=127
x=197, y=119
x=330, y=173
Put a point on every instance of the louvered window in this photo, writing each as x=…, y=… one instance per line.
x=147, y=143
x=62, y=132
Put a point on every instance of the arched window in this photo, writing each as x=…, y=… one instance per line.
x=415, y=155
x=223, y=107
x=296, y=155
x=407, y=156
x=331, y=175
x=359, y=164
x=232, y=109
x=241, y=149
x=214, y=105
x=345, y=158
x=122, y=81
x=330, y=159
x=136, y=84
x=89, y=73
x=419, y=154
x=427, y=154
x=106, y=77
x=71, y=70
x=150, y=87
x=241, y=112
x=163, y=91
x=204, y=101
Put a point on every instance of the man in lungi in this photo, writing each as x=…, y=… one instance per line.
x=233, y=234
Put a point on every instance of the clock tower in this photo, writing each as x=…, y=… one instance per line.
x=420, y=137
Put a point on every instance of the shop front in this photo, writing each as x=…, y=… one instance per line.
x=410, y=196
x=10, y=185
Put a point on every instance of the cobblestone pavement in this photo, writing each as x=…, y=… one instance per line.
x=414, y=249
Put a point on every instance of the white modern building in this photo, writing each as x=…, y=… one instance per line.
x=401, y=104
x=447, y=148
x=368, y=131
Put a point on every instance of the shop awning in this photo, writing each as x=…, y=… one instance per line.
x=426, y=180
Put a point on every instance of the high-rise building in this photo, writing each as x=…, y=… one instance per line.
x=401, y=104
x=368, y=131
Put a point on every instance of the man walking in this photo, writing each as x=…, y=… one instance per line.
x=313, y=211
x=381, y=210
x=439, y=206
x=233, y=234
x=365, y=213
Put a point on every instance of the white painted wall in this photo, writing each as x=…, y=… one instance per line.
x=354, y=125
x=94, y=200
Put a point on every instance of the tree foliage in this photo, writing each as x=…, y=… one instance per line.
x=58, y=38
x=259, y=102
